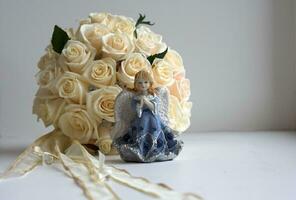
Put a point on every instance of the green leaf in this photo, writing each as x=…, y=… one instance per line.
x=135, y=33
x=141, y=21
x=158, y=55
x=59, y=39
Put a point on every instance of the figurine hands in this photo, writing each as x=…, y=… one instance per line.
x=144, y=100
x=140, y=100
x=139, y=106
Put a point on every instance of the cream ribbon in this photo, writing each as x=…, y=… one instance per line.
x=92, y=175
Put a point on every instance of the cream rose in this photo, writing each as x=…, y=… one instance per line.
x=101, y=18
x=45, y=93
x=84, y=21
x=122, y=24
x=148, y=42
x=71, y=33
x=75, y=56
x=104, y=140
x=186, y=107
x=162, y=73
x=180, y=75
x=134, y=63
x=100, y=103
x=181, y=89
x=48, y=59
x=73, y=87
x=101, y=73
x=179, y=114
x=117, y=45
x=48, y=110
x=46, y=77
x=176, y=62
x=92, y=34
x=115, y=23
x=76, y=123
x=49, y=70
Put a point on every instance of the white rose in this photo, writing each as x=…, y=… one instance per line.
x=75, y=56
x=179, y=114
x=73, y=87
x=71, y=33
x=148, y=42
x=134, y=63
x=175, y=60
x=48, y=110
x=104, y=140
x=186, y=107
x=45, y=93
x=123, y=24
x=92, y=34
x=105, y=146
x=162, y=73
x=101, y=73
x=180, y=75
x=101, y=18
x=46, y=78
x=117, y=45
x=181, y=89
x=84, y=21
x=100, y=103
x=49, y=58
x=115, y=23
x=76, y=123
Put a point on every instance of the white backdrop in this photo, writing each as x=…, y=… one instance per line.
x=239, y=55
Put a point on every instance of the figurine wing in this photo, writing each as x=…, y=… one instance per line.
x=163, y=107
x=123, y=113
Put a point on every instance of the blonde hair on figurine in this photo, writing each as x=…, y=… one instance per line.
x=145, y=75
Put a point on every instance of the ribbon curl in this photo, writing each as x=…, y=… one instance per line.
x=92, y=175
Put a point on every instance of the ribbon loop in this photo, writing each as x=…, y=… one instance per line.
x=46, y=157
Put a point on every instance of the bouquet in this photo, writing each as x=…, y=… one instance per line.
x=83, y=71
x=79, y=78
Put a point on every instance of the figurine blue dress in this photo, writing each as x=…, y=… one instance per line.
x=146, y=138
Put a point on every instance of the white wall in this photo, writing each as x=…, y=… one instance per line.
x=239, y=55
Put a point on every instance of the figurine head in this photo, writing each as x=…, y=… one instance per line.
x=143, y=82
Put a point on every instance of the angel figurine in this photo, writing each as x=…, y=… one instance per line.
x=141, y=132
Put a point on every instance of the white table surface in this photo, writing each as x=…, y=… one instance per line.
x=217, y=166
